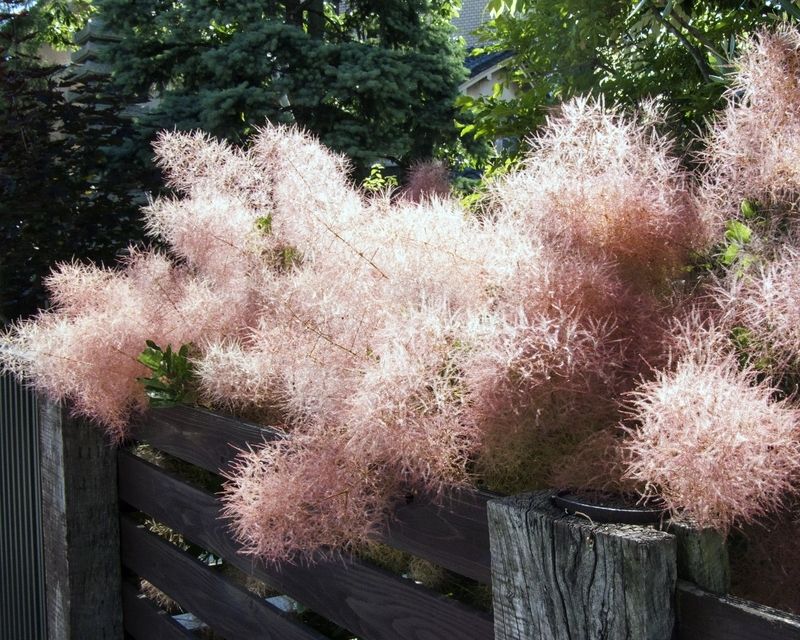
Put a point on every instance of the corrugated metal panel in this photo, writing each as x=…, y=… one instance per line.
x=21, y=567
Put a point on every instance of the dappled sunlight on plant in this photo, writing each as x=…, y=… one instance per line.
x=753, y=150
x=602, y=183
x=711, y=439
x=87, y=348
x=763, y=306
x=291, y=499
x=593, y=326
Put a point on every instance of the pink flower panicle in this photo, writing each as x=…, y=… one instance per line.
x=426, y=180
x=600, y=183
x=296, y=500
x=712, y=441
x=763, y=304
x=753, y=149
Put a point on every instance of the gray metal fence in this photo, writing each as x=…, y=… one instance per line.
x=21, y=566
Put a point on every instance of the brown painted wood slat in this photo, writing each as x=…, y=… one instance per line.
x=230, y=610
x=208, y=440
x=145, y=621
x=371, y=603
x=79, y=528
x=453, y=534
x=705, y=616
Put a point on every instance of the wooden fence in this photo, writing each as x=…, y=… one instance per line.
x=100, y=497
x=21, y=570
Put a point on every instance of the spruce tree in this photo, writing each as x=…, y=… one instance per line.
x=69, y=183
x=372, y=78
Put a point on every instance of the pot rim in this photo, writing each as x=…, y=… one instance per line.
x=567, y=501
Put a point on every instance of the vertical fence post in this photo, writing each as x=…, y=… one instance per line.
x=81, y=529
x=562, y=577
x=702, y=557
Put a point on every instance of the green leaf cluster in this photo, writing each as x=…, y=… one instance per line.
x=740, y=246
x=264, y=224
x=737, y=236
x=378, y=180
x=172, y=379
x=678, y=52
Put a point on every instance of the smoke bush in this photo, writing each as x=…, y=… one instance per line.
x=753, y=150
x=426, y=180
x=86, y=348
x=394, y=340
x=403, y=346
x=288, y=500
x=601, y=183
x=712, y=441
x=762, y=306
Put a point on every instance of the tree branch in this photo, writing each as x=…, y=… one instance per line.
x=705, y=70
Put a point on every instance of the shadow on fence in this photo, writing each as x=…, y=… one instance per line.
x=21, y=569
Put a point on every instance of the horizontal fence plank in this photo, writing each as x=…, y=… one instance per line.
x=208, y=440
x=705, y=616
x=227, y=608
x=452, y=534
x=145, y=621
x=369, y=602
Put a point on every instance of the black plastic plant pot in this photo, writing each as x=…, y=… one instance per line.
x=601, y=506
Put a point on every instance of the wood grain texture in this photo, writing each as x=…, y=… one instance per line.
x=208, y=440
x=705, y=616
x=453, y=534
x=371, y=603
x=702, y=557
x=80, y=529
x=230, y=610
x=145, y=621
x=561, y=577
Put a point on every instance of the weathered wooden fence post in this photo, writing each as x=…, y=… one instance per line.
x=81, y=529
x=562, y=577
x=702, y=557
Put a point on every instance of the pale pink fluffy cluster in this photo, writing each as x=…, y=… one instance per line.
x=711, y=439
x=716, y=439
x=605, y=185
x=753, y=151
x=86, y=348
x=296, y=499
x=765, y=302
x=412, y=338
x=395, y=340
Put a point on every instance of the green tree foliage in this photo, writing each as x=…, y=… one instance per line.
x=63, y=192
x=677, y=51
x=376, y=79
